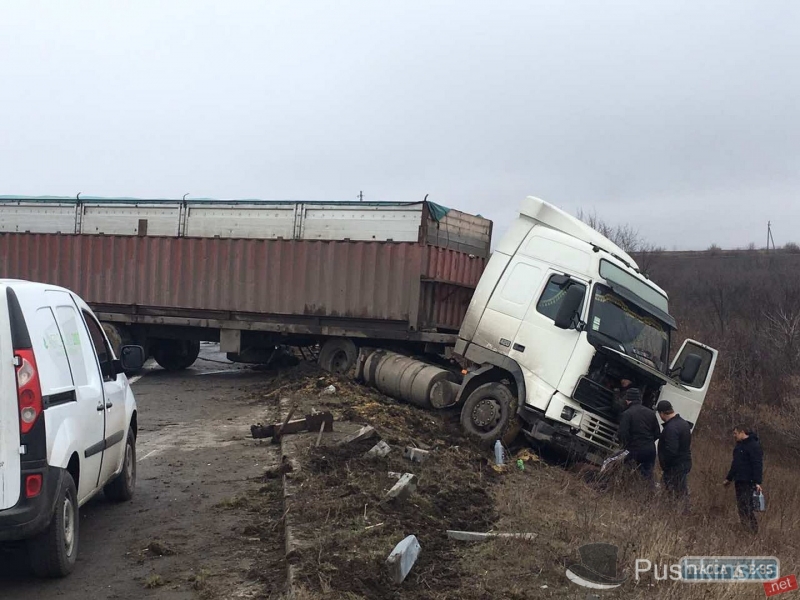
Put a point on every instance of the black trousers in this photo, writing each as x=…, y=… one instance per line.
x=643, y=460
x=676, y=482
x=744, y=504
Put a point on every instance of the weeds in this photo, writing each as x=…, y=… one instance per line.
x=154, y=581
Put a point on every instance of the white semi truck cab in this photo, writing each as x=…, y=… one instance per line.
x=561, y=321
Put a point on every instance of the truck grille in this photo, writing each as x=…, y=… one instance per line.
x=598, y=432
x=594, y=396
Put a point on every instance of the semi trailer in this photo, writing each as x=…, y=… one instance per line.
x=535, y=339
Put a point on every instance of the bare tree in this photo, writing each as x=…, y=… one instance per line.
x=626, y=237
x=784, y=329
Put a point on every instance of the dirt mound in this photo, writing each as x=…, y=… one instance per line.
x=345, y=526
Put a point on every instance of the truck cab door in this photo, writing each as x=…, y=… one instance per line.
x=540, y=345
x=691, y=371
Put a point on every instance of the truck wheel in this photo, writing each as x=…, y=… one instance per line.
x=338, y=355
x=175, y=355
x=53, y=552
x=490, y=413
x=120, y=489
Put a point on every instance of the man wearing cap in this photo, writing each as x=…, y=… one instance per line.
x=638, y=432
x=674, y=450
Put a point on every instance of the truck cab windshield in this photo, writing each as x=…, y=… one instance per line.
x=619, y=324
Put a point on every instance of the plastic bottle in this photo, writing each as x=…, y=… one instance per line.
x=759, y=502
x=498, y=453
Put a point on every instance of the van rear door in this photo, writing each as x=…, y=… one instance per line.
x=9, y=419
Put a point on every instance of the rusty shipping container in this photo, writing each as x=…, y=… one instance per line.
x=383, y=289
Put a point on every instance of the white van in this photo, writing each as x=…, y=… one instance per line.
x=67, y=420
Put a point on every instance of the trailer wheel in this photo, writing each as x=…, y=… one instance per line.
x=490, y=413
x=175, y=355
x=338, y=355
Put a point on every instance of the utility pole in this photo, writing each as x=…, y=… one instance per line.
x=361, y=196
x=770, y=239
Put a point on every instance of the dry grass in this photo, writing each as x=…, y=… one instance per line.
x=567, y=513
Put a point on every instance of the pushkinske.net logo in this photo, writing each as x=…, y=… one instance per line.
x=598, y=569
x=709, y=569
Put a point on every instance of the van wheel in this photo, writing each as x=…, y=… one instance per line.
x=338, y=355
x=175, y=355
x=53, y=552
x=490, y=413
x=120, y=489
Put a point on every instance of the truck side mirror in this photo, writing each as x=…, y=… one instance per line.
x=131, y=358
x=690, y=368
x=573, y=298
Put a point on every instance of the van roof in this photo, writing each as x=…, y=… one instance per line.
x=23, y=283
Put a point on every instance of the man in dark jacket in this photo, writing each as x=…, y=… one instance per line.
x=746, y=472
x=674, y=451
x=638, y=432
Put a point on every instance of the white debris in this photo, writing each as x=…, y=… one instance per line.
x=475, y=536
x=403, y=488
x=379, y=450
x=416, y=454
x=402, y=558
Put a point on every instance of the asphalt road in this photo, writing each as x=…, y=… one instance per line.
x=194, y=455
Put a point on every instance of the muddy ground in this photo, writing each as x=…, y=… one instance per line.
x=183, y=536
x=207, y=524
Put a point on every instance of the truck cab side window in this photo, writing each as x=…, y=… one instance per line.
x=104, y=356
x=553, y=295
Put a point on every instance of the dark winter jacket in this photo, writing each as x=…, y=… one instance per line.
x=638, y=428
x=675, y=445
x=748, y=461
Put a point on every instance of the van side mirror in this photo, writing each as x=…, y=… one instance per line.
x=570, y=305
x=131, y=358
x=691, y=367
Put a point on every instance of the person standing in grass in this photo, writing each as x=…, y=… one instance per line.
x=675, y=451
x=638, y=432
x=746, y=472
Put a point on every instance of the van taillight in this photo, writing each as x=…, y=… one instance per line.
x=33, y=485
x=29, y=390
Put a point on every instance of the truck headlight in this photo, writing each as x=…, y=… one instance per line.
x=567, y=413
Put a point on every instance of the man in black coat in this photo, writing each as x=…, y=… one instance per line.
x=638, y=432
x=675, y=451
x=746, y=472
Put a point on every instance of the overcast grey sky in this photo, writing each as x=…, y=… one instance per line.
x=681, y=118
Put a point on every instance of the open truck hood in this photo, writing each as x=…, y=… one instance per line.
x=642, y=367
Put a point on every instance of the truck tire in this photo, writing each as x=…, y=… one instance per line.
x=121, y=488
x=53, y=552
x=175, y=355
x=490, y=414
x=338, y=355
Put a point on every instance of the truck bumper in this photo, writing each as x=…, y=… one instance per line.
x=31, y=516
x=540, y=429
